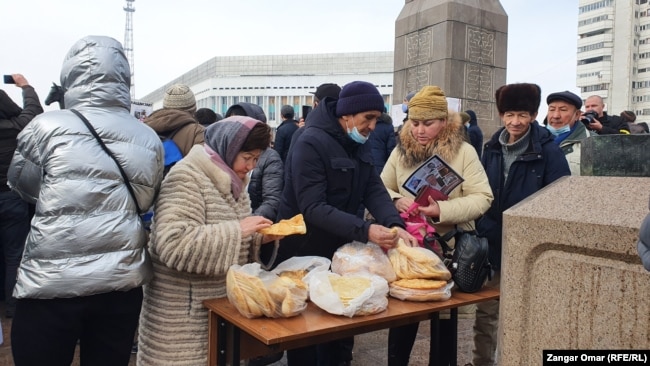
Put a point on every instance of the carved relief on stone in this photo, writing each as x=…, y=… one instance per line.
x=480, y=46
x=484, y=110
x=419, y=47
x=478, y=82
x=417, y=77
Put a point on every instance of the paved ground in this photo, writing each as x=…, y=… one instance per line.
x=369, y=348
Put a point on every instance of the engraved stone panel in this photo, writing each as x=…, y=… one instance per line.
x=419, y=47
x=480, y=46
x=478, y=82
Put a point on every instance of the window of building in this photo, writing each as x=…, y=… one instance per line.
x=591, y=47
x=596, y=6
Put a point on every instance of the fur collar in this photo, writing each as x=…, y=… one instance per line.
x=445, y=145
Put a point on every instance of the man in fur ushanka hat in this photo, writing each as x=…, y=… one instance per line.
x=520, y=159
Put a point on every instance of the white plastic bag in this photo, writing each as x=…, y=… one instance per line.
x=370, y=300
x=357, y=257
x=255, y=292
x=311, y=264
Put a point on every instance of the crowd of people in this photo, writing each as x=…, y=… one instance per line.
x=82, y=268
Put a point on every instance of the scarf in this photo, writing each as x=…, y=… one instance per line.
x=224, y=140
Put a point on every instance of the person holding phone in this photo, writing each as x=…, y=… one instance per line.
x=14, y=212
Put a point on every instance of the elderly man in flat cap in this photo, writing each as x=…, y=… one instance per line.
x=563, y=122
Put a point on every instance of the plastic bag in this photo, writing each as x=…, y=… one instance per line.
x=255, y=292
x=410, y=294
x=370, y=299
x=416, y=262
x=309, y=264
x=357, y=257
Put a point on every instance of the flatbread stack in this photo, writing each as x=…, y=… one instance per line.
x=419, y=289
x=294, y=225
x=357, y=258
x=416, y=262
x=289, y=295
x=284, y=296
x=349, y=288
x=422, y=274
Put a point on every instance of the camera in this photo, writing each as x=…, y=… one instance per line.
x=588, y=117
x=9, y=79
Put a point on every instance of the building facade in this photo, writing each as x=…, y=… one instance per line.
x=276, y=80
x=614, y=53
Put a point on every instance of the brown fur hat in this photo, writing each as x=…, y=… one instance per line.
x=518, y=97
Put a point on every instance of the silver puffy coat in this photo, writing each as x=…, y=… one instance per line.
x=86, y=237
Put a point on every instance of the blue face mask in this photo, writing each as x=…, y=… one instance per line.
x=405, y=108
x=558, y=131
x=355, y=135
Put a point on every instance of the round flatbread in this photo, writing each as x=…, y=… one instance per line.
x=294, y=225
x=420, y=284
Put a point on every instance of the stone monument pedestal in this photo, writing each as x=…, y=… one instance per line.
x=571, y=276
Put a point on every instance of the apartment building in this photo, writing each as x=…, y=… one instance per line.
x=614, y=53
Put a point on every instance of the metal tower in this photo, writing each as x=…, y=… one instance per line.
x=128, y=42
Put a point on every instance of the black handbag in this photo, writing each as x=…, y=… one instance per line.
x=468, y=262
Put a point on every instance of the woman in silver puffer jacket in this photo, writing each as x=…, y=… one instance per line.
x=85, y=259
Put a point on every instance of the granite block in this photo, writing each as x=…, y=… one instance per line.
x=571, y=276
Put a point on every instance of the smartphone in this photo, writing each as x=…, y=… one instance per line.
x=9, y=79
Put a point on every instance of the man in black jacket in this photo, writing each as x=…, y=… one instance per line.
x=604, y=124
x=285, y=131
x=14, y=212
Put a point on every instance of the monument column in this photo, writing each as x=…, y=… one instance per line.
x=458, y=45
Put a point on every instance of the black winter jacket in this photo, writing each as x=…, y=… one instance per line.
x=12, y=121
x=265, y=186
x=328, y=176
x=541, y=164
x=283, y=137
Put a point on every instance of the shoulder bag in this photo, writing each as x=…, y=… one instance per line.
x=468, y=262
x=119, y=166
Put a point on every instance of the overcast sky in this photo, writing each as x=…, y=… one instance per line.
x=172, y=37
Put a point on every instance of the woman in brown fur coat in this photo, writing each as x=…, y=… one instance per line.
x=431, y=129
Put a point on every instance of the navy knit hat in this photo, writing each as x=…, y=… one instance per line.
x=359, y=96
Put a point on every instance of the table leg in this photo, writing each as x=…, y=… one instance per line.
x=212, y=338
x=222, y=341
x=236, y=335
x=454, y=336
x=434, y=342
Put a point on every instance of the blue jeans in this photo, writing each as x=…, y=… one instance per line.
x=14, y=227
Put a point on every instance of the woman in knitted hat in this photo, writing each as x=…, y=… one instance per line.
x=433, y=130
x=202, y=226
x=329, y=175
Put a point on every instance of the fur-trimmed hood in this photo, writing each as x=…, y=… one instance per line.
x=446, y=144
